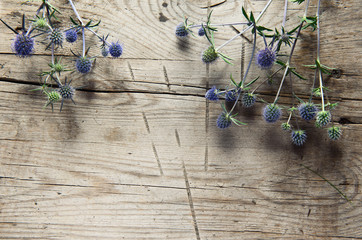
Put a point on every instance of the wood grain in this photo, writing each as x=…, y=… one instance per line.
x=139, y=155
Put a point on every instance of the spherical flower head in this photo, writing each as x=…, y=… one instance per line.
x=58, y=67
x=23, y=45
x=307, y=111
x=83, y=64
x=209, y=55
x=201, y=31
x=115, y=50
x=66, y=91
x=299, y=137
x=224, y=120
x=248, y=99
x=40, y=23
x=212, y=94
x=181, y=30
x=56, y=37
x=334, y=133
x=323, y=118
x=286, y=126
x=71, y=35
x=104, y=51
x=53, y=97
x=272, y=113
x=231, y=95
x=265, y=58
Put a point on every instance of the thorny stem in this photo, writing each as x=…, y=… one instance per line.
x=290, y=56
x=246, y=29
x=219, y=25
x=76, y=12
x=97, y=35
x=83, y=42
x=285, y=13
x=53, y=53
x=318, y=54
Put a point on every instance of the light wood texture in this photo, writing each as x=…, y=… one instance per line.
x=139, y=156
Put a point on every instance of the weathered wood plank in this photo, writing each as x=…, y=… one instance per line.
x=140, y=157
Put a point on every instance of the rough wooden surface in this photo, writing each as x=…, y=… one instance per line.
x=139, y=156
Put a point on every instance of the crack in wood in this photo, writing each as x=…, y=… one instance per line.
x=206, y=160
x=177, y=138
x=166, y=78
x=157, y=158
x=146, y=122
x=191, y=203
x=131, y=71
x=213, y=5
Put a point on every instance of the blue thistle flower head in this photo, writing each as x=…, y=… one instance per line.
x=71, y=35
x=272, y=113
x=212, y=94
x=334, y=133
x=231, y=95
x=56, y=37
x=23, y=45
x=201, y=31
x=83, y=64
x=209, y=55
x=181, y=30
x=248, y=100
x=307, y=111
x=265, y=58
x=115, y=49
x=299, y=137
x=66, y=92
x=104, y=51
x=323, y=118
x=224, y=120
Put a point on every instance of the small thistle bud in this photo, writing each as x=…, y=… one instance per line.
x=201, y=31
x=334, y=133
x=58, y=67
x=23, y=45
x=248, y=100
x=307, y=111
x=66, y=91
x=231, y=95
x=323, y=118
x=115, y=50
x=209, y=55
x=224, y=120
x=272, y=113
x=71, y=35
x=286, y=126
x=83, y=64
x=299, y=137
x=40, y=23
x=53, y=97
x=265, y=58
x=104, y=51
x=181, y=30
x=56, y=37
x=212, y=94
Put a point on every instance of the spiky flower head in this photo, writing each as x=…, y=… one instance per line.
x=66, y=91
x=23, y=45
x=272, y=113
x=71, y=35
x=40, y=22
x=334, y=133
x=224, y=120
x=307, y=110
x=104, y=51
x=323, y=118
x=56, y=37
x=248, y=99
x=201, y=31
x=286, y=126
x=265, y=58
x=115, y=49
x=231, y=95
x=83, y=64
x=53, y=97
x=58, y=67
x=181, y=30
x=212, y=94
x=209, y=55
x=299, y=137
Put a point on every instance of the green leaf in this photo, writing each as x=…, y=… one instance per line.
x=297, y=74
x=74, y=22
x=251, y=82
x=225, y=58
x=233, y=81
x=237, y=122
x=297, y=1
x=245, y=14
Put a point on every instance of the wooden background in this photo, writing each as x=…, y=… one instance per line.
x=139, y=156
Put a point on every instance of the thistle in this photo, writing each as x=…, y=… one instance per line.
x=83, y=64
x=212, y=94
x=299, y=137
x=115, y=49
x=248, y=99
x=307, y=111
x=323, y=118
x=66, y=92
x=231, y=95
x=71, y=35
x=334, y=133
x=181, y=30
x=265, y=58
x=272, y=113
x=56, y=37
x=209, y=55
x=53, y=97
x=286, y=126
x=23, y=45
x=224, y=120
